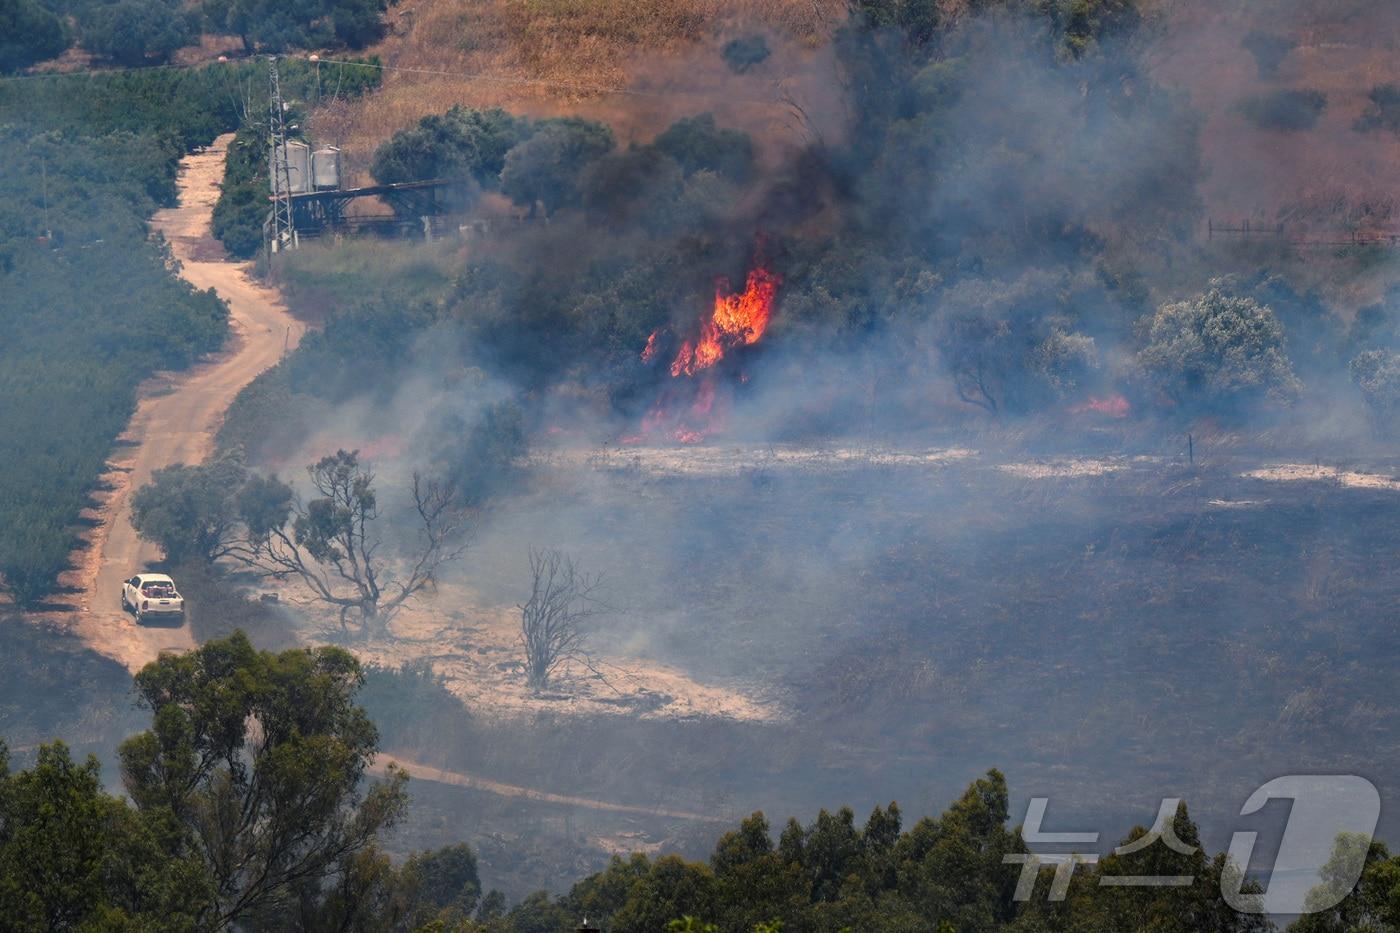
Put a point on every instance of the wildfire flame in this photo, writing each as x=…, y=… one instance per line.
x=736, y=319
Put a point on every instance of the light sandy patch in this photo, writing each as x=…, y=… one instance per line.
x=1237, y=503
x=476, y=648
x=730, y=460
x=1066, y=468
x=1310, y=472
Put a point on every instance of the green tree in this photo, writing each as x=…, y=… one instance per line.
x=73, y=857
x=544, y=169
x=190, y=511
x=254, y=766
x=460, y=144
x=274, y=25
x=697, y=144
x=1377, y=374
x=1216, y=350
x=29, y=33
x=137, y=32
x=443, y=884
x=1372, y=905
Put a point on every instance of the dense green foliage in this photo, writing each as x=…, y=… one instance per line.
x=544, y=169
x=85, y=314
x=29, y=33
x=303, y=854
x=273, y=25
x=190, y=511
x=137, y=32
x=947, y=872
x=242, y=208
x=461, y=144
x=1374, y=903
x=1216, y=347
x=88, y=305
x=246, y=807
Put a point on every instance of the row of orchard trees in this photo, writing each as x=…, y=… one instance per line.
x=144, y=32
x=249, y=805
x=89, y=304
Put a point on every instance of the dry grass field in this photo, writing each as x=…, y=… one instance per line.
x=637, y=64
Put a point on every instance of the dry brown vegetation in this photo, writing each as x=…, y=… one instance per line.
x=1326, y=178
x=637, y=64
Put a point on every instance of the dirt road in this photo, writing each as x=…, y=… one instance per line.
x=178, y=414
x=422, y=772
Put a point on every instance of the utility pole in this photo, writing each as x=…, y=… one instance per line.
x=284, y=234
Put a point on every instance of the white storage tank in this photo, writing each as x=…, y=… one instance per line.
x=295, y=171
x=325, y=168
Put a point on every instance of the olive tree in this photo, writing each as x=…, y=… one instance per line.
x=190, y=511
x=1218, y=349
x=544, y=169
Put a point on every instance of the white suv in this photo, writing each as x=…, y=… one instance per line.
x=152, y=596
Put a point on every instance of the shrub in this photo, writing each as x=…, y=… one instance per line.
x=545, y=168
x=745, y=53
x=273, y=25
x=1377, y=374
x=460, y=144
x=1383, y=113
x=1286, y=111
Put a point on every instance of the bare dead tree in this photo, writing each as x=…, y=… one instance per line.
x=330, y=544
x=553, y=621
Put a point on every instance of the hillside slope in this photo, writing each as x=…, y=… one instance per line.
x=636, y=64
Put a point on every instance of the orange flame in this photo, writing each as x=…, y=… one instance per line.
x=737, y=319
x=688, y=412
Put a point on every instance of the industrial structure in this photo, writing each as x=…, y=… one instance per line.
x=308, y=197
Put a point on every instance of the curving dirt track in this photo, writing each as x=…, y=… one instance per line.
x=177, y=415
x=381, y=764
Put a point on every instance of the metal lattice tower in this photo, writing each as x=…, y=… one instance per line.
x=284, y=235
